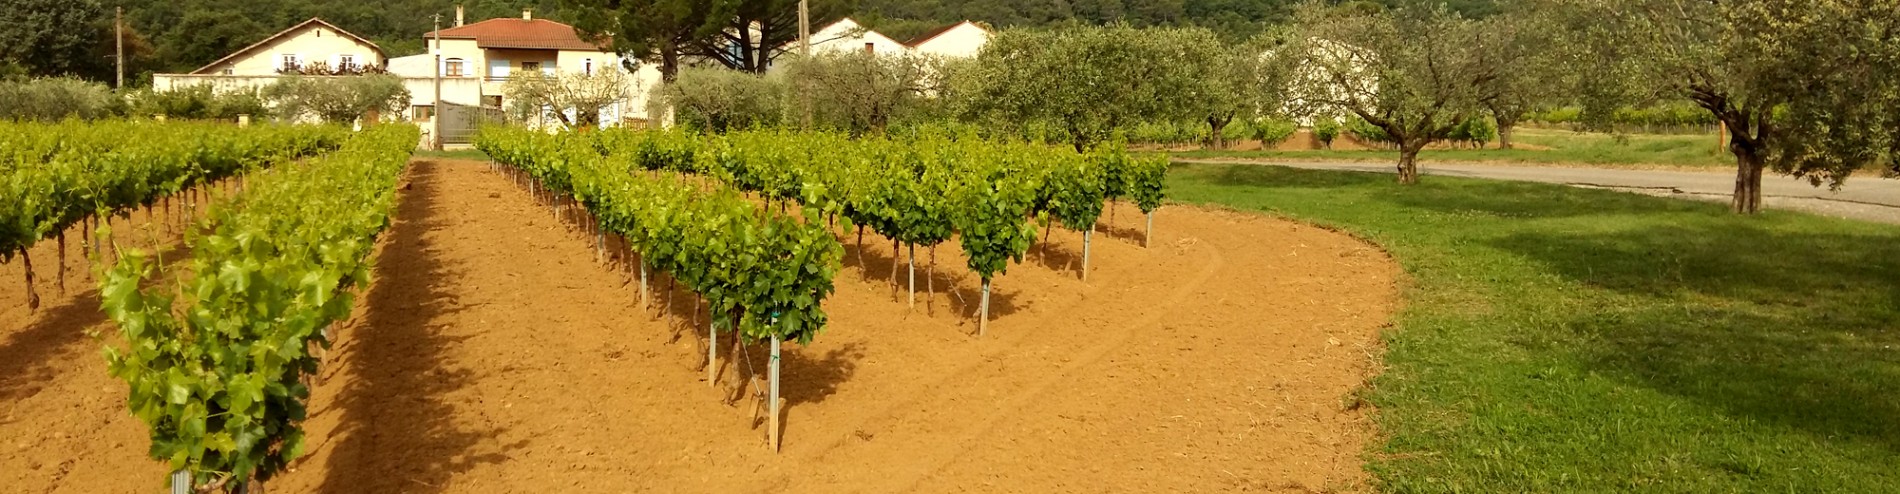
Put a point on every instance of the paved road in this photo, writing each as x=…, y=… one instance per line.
x=1863, y=197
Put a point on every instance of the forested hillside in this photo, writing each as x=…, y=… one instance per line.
x=1235, y=19
x=51, y=37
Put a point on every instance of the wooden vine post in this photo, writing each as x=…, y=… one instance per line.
x=712, y=351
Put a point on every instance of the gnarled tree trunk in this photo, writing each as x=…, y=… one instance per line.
x=1218, y=139
x=1504, y=132
x=1749, y=165
x=1408, y=160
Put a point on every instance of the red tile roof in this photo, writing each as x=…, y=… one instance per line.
x=509, y=32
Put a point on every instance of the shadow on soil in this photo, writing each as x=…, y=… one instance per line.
x=55, y=331
x=1798, y=330
x=395, y=434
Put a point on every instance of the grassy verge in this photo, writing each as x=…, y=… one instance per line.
x=456, y=154
x=1562, y=339
x=1565, y=147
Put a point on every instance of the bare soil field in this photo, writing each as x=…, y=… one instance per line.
x=492, y=353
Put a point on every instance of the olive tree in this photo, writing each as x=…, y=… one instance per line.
x=575, y=99
x=1522, y=67
x=337, y=99
x=863, y=92
x=1228, y=80
x=1091, y=80
x=718, y=99
x=1412, y=71
x=1803, y=86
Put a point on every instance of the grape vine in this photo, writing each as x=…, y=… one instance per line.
x=216, y=355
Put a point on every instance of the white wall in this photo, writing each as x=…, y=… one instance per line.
x=849, y=35
x=963, y=41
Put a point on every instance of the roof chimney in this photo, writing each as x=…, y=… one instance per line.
x=458, y=15
x=527, y=14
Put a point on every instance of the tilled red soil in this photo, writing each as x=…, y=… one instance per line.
x=493, y=354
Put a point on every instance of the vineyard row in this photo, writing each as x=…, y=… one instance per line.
x=219, y=348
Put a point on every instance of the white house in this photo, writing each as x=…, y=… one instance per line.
x=477, y=60
x=961, y=40
x=307, y=46
x=480, y=58
x=847, y=34
x=303, y=46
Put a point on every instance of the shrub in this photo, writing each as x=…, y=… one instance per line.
x=1271, y=132
x=199, y=102
x=1365, y=131
x=57, y=98
x=1475, y=131
x=718, y=100
x=1326, y=129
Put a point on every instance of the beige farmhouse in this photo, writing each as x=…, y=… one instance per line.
x=307, y=45
x=483, y=56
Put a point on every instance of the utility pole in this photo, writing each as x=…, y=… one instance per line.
x=118, y=43
x=804, y=53
x=435, y=120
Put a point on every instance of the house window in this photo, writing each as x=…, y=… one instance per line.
x=346, y=62
x=423, y=113
x=870, y=47
x=530, y=66
x=291, y=64
x=454, y=68
x=226, y=71
x=587, y=66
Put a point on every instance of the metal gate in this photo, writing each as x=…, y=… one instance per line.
x=460, y=122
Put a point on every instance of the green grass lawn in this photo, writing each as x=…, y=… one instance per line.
x=1566, y=147
x=1557, y=339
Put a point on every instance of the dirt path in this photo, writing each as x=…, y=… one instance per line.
x=492, y=354
x=1866, y=196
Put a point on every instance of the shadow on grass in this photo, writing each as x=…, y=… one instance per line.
x=1454, y=195
x=1532, y=200
x=1791, y=328
x=1269, y=176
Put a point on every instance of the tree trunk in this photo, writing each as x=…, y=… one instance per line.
x=1219, y=127
x=1504, y=132
x=1748, y=166
x=1408, y=163
x=669, y=62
